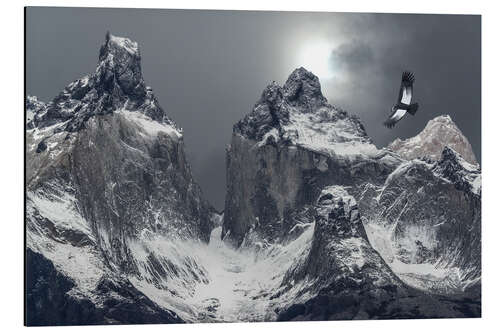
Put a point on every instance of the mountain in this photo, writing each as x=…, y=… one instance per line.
x=286, y=150
x=439, y=133
x=294, y=154
x=319, y=223
x=343, y=277
x=426, y=223
x=106, y=180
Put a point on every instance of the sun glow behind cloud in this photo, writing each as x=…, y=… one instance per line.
x=315, y=56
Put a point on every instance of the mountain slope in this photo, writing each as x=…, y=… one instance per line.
x=286, y=150
x=420, y=229
x=106, y=169
x=426, y=223
x=439, y=133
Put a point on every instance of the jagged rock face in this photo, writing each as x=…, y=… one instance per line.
x=116, y=84
x=340, y=244
x=343, y=277
x=106, y=169
x=437, y=134
x=426, y=222
x=303, y=90
x=419, y=234
x=286, y=150
x=33, y=106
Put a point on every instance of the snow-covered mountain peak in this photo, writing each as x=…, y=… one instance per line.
x=298, y=114
x=120, y=64
x=438, y=133
x=108, y=183
x=114, y=43
x=445, y=118
x=116, y=85
x=303, y=90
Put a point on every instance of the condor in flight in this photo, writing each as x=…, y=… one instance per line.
x=403, y=104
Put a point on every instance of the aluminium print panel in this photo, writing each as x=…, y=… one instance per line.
x=239, y=166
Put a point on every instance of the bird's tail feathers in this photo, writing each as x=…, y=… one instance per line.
x=413, y=109
x=389, y=124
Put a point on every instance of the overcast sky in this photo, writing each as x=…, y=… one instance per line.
x=208, y=68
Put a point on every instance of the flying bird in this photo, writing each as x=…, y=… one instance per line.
x=403, y=104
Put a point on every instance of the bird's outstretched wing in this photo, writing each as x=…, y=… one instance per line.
x=406, y=89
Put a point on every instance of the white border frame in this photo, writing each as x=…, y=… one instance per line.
x=12, y=89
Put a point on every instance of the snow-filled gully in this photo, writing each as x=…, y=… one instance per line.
x=241, y=282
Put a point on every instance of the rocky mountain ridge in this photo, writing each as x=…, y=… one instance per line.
x=286, y=153
x=117, y=84
x=107, y=178
x=319, y=223
x=439, y=133
x=284, y=149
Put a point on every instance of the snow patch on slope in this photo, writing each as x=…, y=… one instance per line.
x=82, y=264
x=150, y=127
x=323, y=133
x=423, y=276
x=60, y=208
x=125, y=43
x=54, y=211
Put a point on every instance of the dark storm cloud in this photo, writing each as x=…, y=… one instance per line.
x=208, y=68
x=353, y=56
x=442, y=50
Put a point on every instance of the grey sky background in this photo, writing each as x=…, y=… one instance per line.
x=208, y=68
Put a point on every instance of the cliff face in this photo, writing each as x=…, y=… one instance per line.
x=106, y=170
x=286, y=150
x=439, y=133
